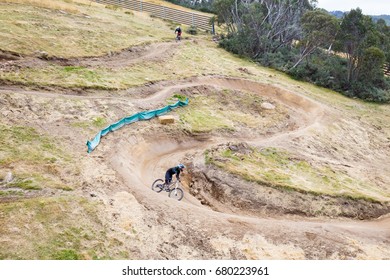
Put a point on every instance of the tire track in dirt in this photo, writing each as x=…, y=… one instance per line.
x=113, y=60
x=150, y=157
x=139, y=161
x=309, y=115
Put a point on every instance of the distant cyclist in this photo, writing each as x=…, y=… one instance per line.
x=173, y=170
x=178, y=33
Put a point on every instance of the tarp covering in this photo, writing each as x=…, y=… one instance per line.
x=146, y=115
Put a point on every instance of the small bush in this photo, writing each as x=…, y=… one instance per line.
x=192, y=30
x=369, y=93
x=180, y=97
x=323, y=70
x=99, y=122
x=25, y=184
x=112, y=7
x=280, y=60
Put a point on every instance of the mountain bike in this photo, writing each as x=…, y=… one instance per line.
x=178, y=37
x=173, y=188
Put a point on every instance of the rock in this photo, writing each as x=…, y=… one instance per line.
x=6, y=113
x=8, y=178
x=42, y=54
x=267, y=106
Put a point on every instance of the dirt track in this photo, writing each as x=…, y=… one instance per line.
x=316, y=238
x=134, y=157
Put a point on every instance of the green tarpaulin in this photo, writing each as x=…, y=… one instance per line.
x=146, y=115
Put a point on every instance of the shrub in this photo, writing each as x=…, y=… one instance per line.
x=192, y=30
x=280, y=60
x=370, y=93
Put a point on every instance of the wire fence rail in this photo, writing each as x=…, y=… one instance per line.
x=182, y=17
x=386, y=69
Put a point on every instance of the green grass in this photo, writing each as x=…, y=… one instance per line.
x=66, y=255
x=5, y=193
x=201, y=117
x=50, y=228
x=227, y=110
x=36, y=160
x=24, y=184
x=282, y=169
x=99, y=122
x=25, y=144
x=202, y=121
x=177, y=97
x=69, y=227
x=87, y=30
x=201, y=57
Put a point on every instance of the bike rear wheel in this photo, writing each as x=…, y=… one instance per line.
x=176, y=193
x=158, y=185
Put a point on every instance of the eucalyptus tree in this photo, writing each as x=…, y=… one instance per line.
x=225, y=11
x=370, y=67
x=319, y=30
x=354, y=37
x=384, y=34
x=262, y=26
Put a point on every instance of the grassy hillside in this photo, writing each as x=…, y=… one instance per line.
x=73, y=29
x=50, y=209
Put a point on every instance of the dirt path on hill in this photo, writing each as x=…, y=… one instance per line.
x=114, y=60
x=190, y=229
x=147, y=160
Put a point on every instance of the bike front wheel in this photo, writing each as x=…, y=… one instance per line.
x=176, y=193
x=158, y=185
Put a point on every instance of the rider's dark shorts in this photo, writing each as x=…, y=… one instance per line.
x=168, y=177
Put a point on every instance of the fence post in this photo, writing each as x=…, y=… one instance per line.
x=140, y=3
x=193, y=23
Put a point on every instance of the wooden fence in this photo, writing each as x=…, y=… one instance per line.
x=178, y=16
x=386, y=69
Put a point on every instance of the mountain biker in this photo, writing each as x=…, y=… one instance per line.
x=173, y=170
x=178, y=31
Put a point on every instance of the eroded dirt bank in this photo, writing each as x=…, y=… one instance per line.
x=221, y=216
x=224, y=226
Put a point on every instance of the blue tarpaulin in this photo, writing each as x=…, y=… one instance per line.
x=146, y=115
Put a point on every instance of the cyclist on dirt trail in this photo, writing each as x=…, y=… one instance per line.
x=178, y=31
x=173, y=170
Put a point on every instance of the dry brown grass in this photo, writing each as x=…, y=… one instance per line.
x=67, y=6
x=88, y=31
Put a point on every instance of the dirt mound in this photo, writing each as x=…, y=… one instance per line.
x=156, y=52
x=225, y=192
x=244, y=220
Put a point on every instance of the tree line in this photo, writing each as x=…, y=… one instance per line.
x=344, y=54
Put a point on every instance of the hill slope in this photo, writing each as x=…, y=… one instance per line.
x=277, y=169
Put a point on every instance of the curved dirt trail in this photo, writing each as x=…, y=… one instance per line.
x=148, y=158
x=139, y=160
